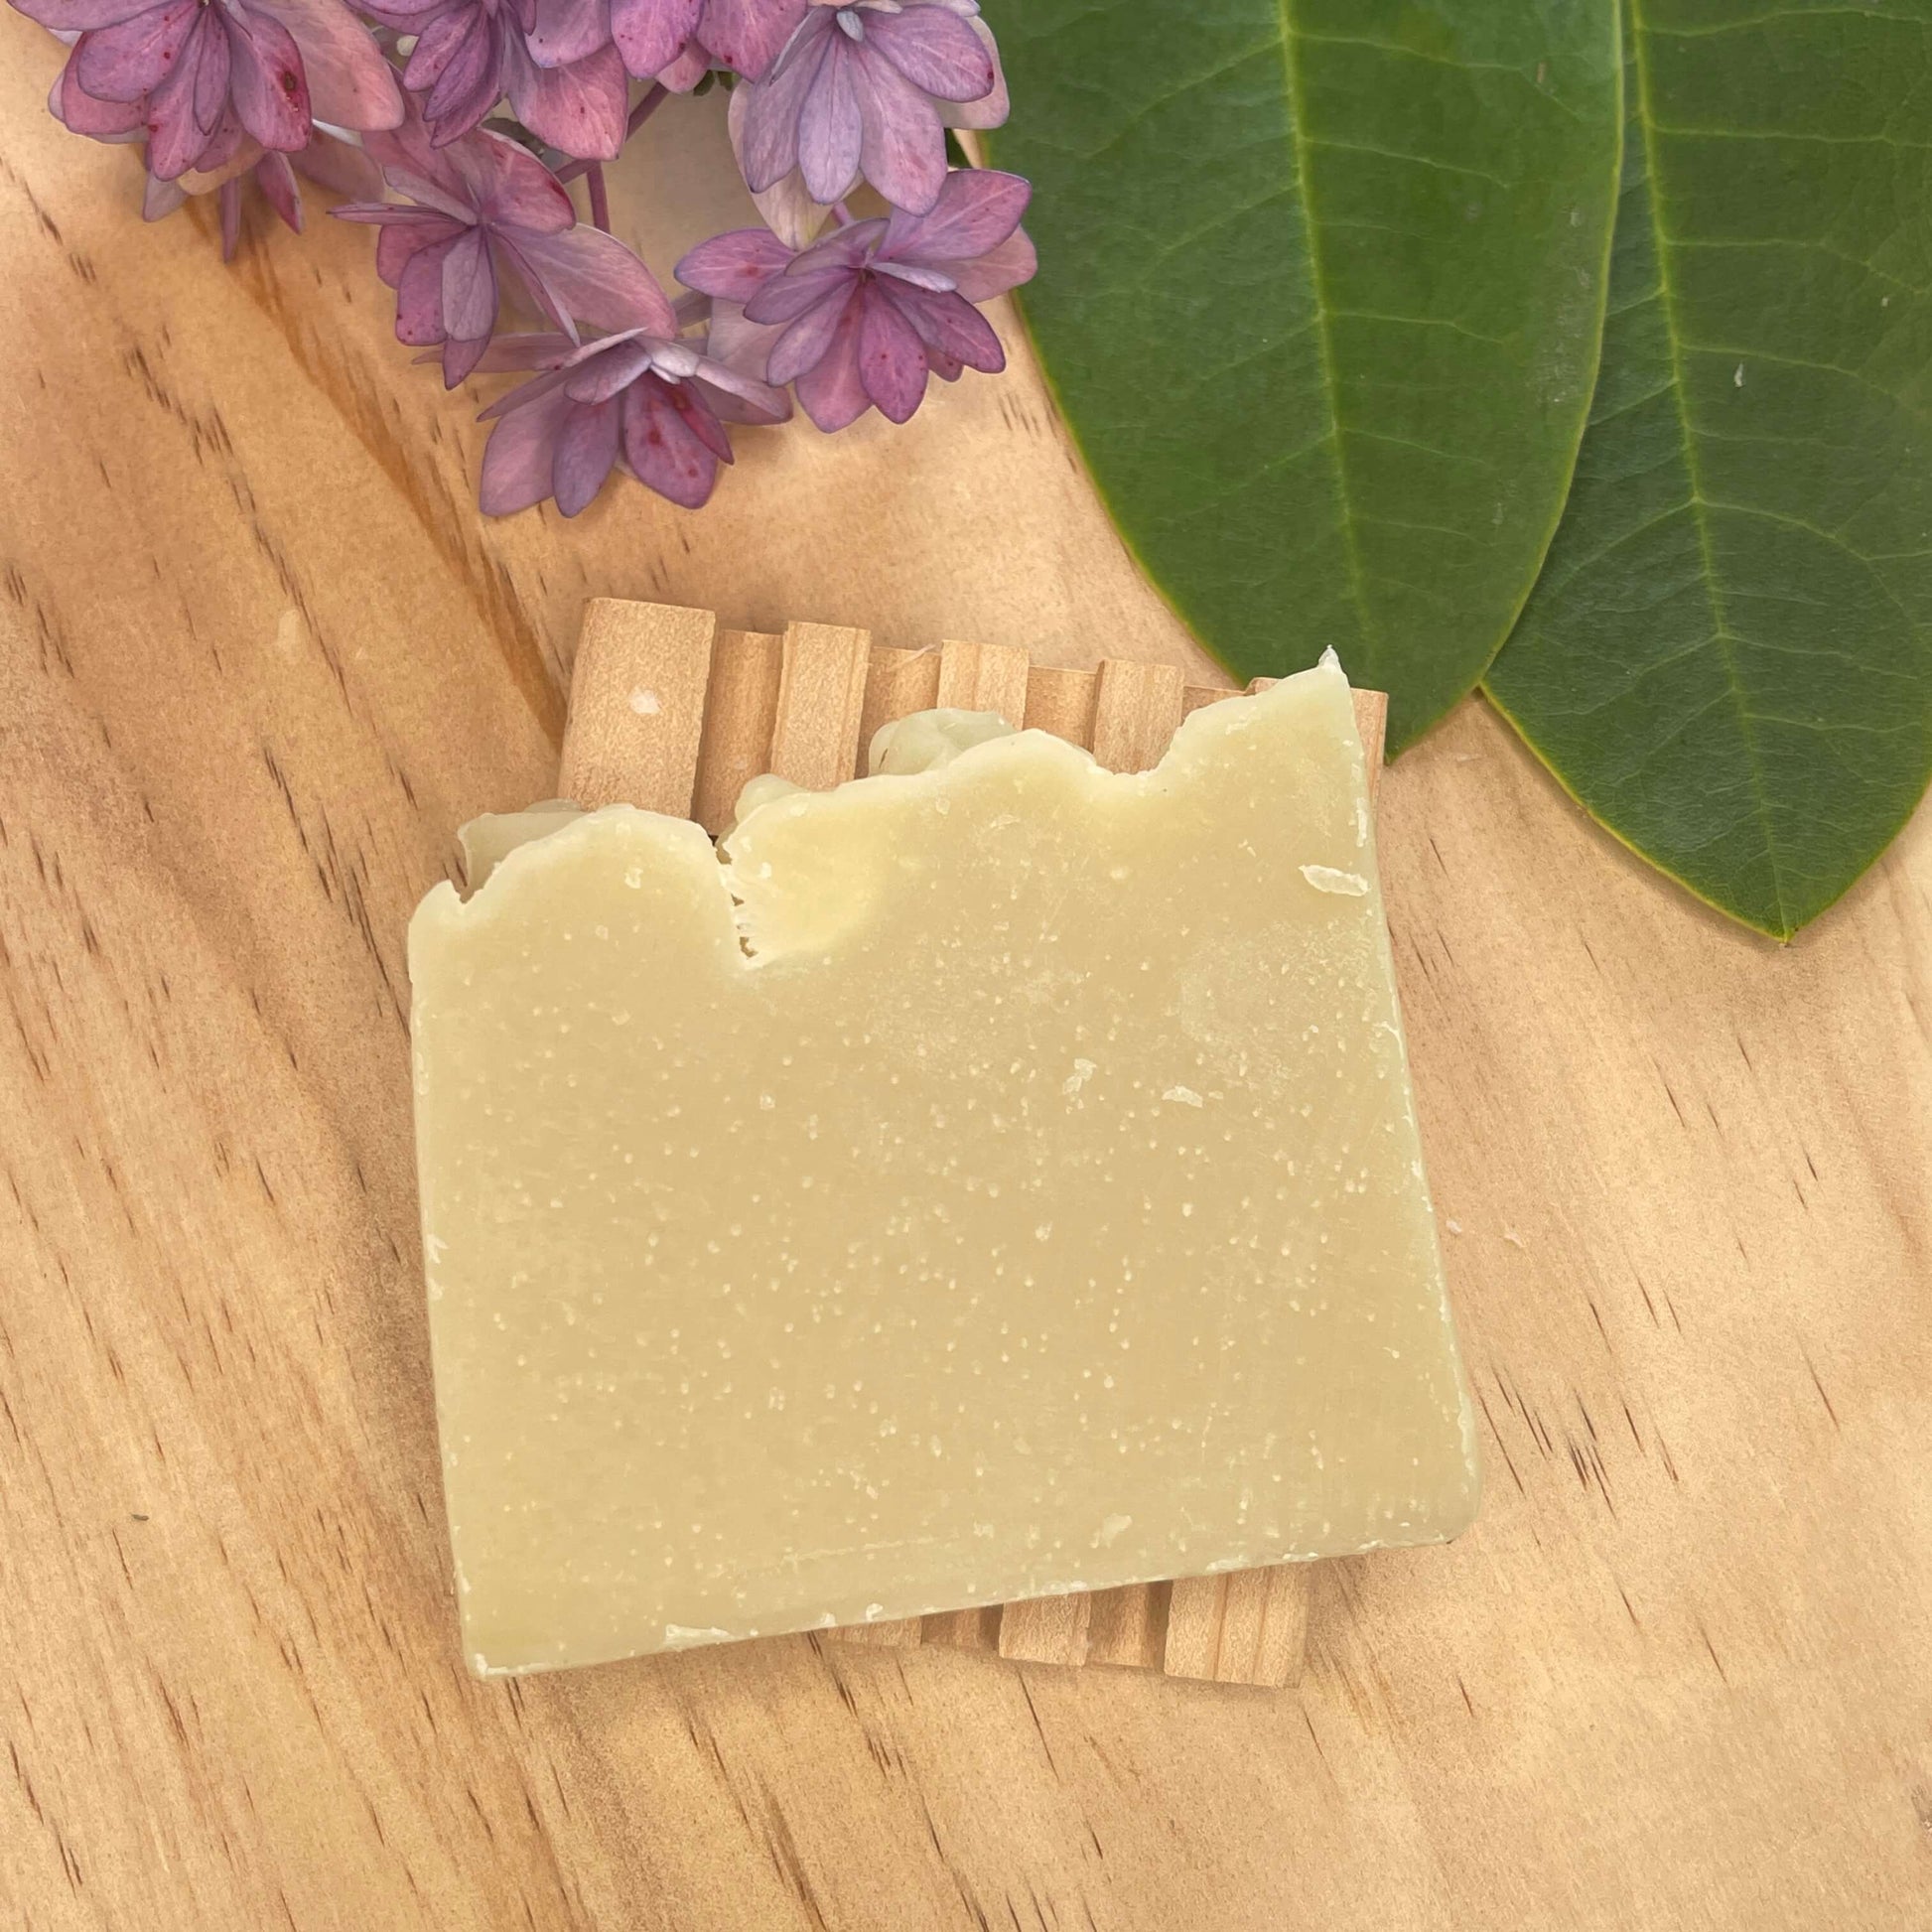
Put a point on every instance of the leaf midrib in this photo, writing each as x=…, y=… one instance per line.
x=1318, y=291
x=1699, y=504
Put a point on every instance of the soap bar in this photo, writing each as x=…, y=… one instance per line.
x=966, y=1184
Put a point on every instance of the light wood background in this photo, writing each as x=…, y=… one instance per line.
x=258, y=656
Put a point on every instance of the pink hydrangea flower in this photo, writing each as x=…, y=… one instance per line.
x=201, y=77
x=470, y=54
x=865, y=89
x=863, y=318
x=480, y=208
x=640, y=400
x=672, y=41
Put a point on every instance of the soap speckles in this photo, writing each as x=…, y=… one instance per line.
x=1328, y=878
x=1002, y=1221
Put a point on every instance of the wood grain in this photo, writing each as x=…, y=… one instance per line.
x=258, y=654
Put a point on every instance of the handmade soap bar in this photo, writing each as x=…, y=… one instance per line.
x=987, y=1181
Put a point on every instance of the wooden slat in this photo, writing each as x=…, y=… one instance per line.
x=637, y=706
x=1129, y=1625
x=1047, y=1629
x=821, y=701
x=898, y=682
x=1371, y=725
x=965, y=1629
x=1135, y=711
x=1196, y=695
x=738, y=721
x=1247, y=1626
x=1061, y=702
x=984, y=677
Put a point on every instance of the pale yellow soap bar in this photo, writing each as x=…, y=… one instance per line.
x=1016, y=1189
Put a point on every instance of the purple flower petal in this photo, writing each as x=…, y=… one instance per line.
x=470, y=288
x=787, y=206
x=891, y=359
x=586, y=452
x=415, y=167
x=81, y=113
x=738, y=395
x=520, y=460
x=340, y=167
x=937, y=50
x=831, y=129
x=769, y=149
x=999, y=269
x=936, y=280
x=159, y=198
x=976, y=210
x=651, y=33
x=805, y=344
x=592, y=277
x=904, y=145
x=404, y=232
x=741, y=345
x=470, y=81
x=664, y=453
x=734, y=266
x=125, y=61
x=832, y=393
x=460, y=355
x=787, y=297
x=688, y=399
x=419, y=294
x=598, y=378
x=993, y=107
x=266, y=83
x=177, y=140
x=82, y=16
x=276, y=180
x=229, y=198
x=748, y=35
x=684, y=73
x=351, y=84
x=438, y=42
x=211, y=78
x=581, y=108
x=951, y=324
x=541, y=350
x=849, y=246
x=568, y=30
x=509, y=186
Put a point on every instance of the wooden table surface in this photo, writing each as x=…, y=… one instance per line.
x=259, y=655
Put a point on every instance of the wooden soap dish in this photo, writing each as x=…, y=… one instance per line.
x=670, y=712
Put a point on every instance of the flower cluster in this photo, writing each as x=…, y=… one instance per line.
x=456, y=127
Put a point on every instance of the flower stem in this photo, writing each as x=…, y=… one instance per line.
x=600, y=197
x=639, y=114
x=842, y=214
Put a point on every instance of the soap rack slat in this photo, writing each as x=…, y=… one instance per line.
x=672, y=712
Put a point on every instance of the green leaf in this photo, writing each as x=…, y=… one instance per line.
x=1729, y=658
x=1321, y=292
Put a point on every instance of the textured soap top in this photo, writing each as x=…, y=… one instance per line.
x=986, y=1182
